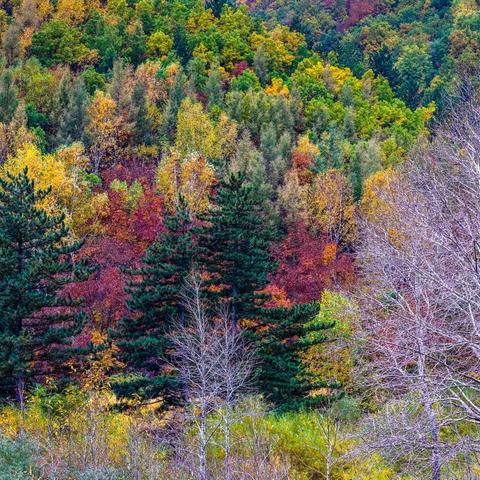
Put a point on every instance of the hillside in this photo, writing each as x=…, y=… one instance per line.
x=239, y=240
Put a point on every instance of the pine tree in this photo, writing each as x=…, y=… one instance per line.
x=234, y=246
x=8, y=97
x=154, y=306
x=37, y=322
x=176, y=95
x=73, y=119
x=213, y=88
x=140, y=119
x=280, y=336
x=218, y=5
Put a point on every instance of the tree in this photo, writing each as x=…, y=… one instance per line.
x=215, y=365
x=38, y=320
x=191, y=178
x=56, y=42
x=414, y=69
x=309, y=263
x=196, y=133
x=73, y=118
x=103, y=129
x=8, y=97
x=234, y=246
x=175, y=96
x=420, y=301
x=143, y=131
x=153, y=304
x=64, y=172
x=280, y=337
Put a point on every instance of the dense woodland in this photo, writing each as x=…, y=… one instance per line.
x=239, y=240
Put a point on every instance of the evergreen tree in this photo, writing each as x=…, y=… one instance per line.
x=213, y=88
x=280, y=336
x=218, y=5
x=8, y=97
x=74, y=118
x=234, y=246
x=37, y=322
x=61, y=104
x=154, y=306
x=141, y=121
x=176, y=95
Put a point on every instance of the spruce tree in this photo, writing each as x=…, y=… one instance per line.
x=234, y=250
x=234, y=246
x=175, y=97
x=154, y=306
x=140, y=119
x=73, y=119
x=280, y=336
x=37, y=322
x=8, y=97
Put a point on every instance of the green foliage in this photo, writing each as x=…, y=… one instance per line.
x=37, y=321
x=155, y=306
x=234, y=246
x=17, y=460
x=8, y=97
x=280, y=337
x=56, y=42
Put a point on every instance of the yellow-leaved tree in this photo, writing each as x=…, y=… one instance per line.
x=197, y=134
x=72, y=188
x=71, y=11
x=331, y=208
x=103, y=129
x=191, y=177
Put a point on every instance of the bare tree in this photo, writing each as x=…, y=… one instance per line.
x=235, y=368
x=421, y=298
x=215, y=364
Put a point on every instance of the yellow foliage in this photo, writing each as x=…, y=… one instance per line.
x=15, y=135
x=71, y=11
x=306, y=147
x=25, y=40
x=372, y=205
x=197, y=134
x=64, y=172
x=280, y=44
x=159, y=44
x=44, y=9
x=103, y=126
x=330, y=206
x=203, y=53
x=191, y=177
x=333, y=361
x=277, y=88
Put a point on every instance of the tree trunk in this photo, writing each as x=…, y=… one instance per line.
x=202, y=453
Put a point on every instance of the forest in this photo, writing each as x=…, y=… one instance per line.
x=239, y=240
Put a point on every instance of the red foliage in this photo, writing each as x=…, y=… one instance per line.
x=303, y=162
x=128, y=232
x=308, y=265
x=239, y=68
x=104, y=291
x=358, y=9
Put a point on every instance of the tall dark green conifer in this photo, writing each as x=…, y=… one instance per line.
x=154, y=305
x=234, y=246
x=234, y=249
x=8, y=97
x=37, y=322
x=73, y=118
x=141, y=121
x=280, y=336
